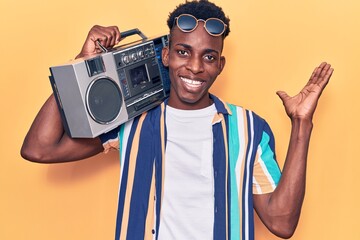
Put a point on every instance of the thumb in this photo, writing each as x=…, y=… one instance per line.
x=282, y=95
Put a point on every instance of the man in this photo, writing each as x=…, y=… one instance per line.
x=194, y=167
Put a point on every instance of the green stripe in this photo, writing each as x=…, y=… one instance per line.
x=234, y=147
x=268, y=157
x=121, y=138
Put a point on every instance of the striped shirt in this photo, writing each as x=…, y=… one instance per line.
x=244, y=164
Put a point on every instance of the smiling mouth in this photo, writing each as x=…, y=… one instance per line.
x=191, y=83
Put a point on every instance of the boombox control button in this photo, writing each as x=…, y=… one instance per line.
x=133, y=57
x=141, y=53
x=125, y=59
x=149, y=52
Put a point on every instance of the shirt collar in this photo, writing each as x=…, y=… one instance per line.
x=220, y=105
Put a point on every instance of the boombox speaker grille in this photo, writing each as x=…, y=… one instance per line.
x=104, y=100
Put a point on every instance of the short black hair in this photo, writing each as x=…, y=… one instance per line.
x=201, y=9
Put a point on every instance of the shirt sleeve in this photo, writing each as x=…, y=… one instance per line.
x=110, y=140
x=266, y=175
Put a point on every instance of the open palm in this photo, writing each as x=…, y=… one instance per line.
x=303, y=104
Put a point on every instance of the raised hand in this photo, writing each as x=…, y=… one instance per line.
x=108, y=37
x=303, y=105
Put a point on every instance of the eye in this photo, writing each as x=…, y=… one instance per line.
x=210, y=58
x=183, y=52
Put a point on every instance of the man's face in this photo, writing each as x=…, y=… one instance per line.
x=194, y=60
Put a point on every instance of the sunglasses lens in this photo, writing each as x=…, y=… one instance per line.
x=215, y=26
x=186, y=23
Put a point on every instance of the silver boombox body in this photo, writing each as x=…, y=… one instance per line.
x=97, y=94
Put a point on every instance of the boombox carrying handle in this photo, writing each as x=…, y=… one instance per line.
x=132, y=32
x=124, y=35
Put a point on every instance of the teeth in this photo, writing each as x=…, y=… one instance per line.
x=192, y=82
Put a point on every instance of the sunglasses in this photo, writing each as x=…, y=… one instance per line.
x=188, y=23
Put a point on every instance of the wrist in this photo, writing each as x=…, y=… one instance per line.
x=80, y=55
x=302, y=126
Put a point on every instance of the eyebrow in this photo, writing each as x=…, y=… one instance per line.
x=207, y=50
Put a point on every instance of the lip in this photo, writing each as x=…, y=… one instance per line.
x=192, y=82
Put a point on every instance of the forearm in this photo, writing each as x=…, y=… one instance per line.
x=290, y=192
x=281, y=209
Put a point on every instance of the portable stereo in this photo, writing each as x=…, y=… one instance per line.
x=99, y=93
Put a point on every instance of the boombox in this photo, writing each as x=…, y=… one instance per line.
x=97, y=94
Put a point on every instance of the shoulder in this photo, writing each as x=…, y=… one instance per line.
x=235, y=110
x=248, y=118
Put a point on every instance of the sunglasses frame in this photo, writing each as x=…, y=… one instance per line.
x=197, y=23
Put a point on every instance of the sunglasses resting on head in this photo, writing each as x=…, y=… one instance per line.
x=188, y=23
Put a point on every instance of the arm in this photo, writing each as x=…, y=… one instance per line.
x=280, y=210
x=46, y=141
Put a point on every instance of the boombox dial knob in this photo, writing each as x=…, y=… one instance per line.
x=133, y=57
x=141, y=54
x=125, y=59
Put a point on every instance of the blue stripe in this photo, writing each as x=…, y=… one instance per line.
x=154, y=117
x=219, y=163
x=245, y=174
x=142, y=182
x=113, y=134
x=124, y=180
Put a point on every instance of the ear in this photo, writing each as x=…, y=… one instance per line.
x=222, y=63
x=165, y=56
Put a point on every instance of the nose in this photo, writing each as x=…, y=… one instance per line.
x=195, y=64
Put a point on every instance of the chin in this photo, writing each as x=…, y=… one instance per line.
x=193, y=103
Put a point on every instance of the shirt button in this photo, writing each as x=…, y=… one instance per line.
x=215, y=173
x=153, y=231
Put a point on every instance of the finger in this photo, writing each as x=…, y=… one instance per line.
x=320, y=68
x=324, y=70
x=96, y=35
x=322, y=65
x=324, y=76
x=283, y=95
x=319, y=73
x=108, y=42
x=312, y=76
x=315, y=74
x=101, y=34
x=103, y=39
x=113, y=35
x=116, y=34
x=113, y=38
x=98, y=50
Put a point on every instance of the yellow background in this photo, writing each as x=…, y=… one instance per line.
x=273, y=45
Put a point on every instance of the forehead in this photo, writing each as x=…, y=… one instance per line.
x=198, y=38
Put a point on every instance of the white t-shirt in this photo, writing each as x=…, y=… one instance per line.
x=187, y=210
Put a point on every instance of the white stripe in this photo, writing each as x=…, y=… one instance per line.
x=251, y=143
x=127, y=129
x=110, y=141
x=258, y=189
x=264, y=168
x=248, y=177
x=241, y=134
